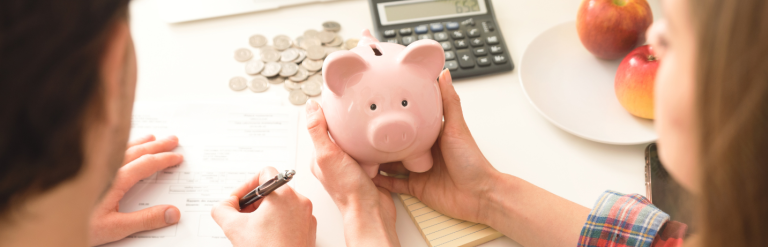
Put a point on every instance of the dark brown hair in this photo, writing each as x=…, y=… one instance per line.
x=732, y=107
x=50, y=55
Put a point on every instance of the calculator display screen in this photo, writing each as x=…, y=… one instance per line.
x=421, y=10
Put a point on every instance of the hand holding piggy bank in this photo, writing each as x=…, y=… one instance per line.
x=382, y=102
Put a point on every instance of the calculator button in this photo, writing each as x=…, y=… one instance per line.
x=492, y=40
x=499, y=59
x=393, y=40
x=406, y=31
x=458, y=34
x=452, y=25
x=488, y=25
x=483, y=61
x=451, y=65
x=473, y=33
x=496, y=49
x=436, y=27
x=446, y=45
x=480, y=51
x=420, y=29
x=460, y=44
x=407, y=40
x=468, y=22
x=466, y=60
x=390, y=33
x=476, y=42
x=425, y=36
x=441, y=36
x=449, y=55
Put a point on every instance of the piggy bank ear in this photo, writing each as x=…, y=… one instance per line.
x=425, y=54
x=342, y=68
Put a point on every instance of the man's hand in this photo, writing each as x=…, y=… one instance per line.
x=282, y=218
x=144, y=157
x=368, y=211
x=459, y=181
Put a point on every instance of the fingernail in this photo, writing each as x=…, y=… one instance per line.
x=447, y=75
x=171, y=216
x=172, y=138
x=149, y=136
x=311, y=106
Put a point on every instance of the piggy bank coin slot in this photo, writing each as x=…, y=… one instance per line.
x=373, y=107
x=376, y=50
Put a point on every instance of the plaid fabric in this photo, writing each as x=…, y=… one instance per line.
x=622, y=220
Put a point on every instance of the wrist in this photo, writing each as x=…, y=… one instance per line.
x=495, y=200
x=365, y=225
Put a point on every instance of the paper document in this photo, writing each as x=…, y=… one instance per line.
x=440, y=230
x=223, y=144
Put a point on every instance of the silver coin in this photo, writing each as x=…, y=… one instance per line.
x=312, y=65
x=291, y=85
x=326, y=37
x=351, y=43
x=237, y=83
x=309, y=42
x=297, y=97
x=243, y=54
x=298, y=41
x=300, y=75
x=316, y=52
x=270, y=55
x=338, y=41
x=312, y=87
x=276, y=80
x=331, y=26
x=282, y=42
x=311, y=33
x=289, y=69
x=302, y=56
x=257, y=41
x=289, y=55
x=259, y=84
x=254, y=67
x=332, y=49
x=271, y=69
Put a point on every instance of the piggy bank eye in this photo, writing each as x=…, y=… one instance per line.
x=373, y=107
x=404, y=103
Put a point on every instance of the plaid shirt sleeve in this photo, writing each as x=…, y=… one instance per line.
x=625, y=220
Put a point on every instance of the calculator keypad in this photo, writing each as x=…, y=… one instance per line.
x=466, y=44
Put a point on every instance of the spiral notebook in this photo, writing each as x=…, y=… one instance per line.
x=442, y=231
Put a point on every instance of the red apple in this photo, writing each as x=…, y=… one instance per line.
x=610, y=29
x=634, y=81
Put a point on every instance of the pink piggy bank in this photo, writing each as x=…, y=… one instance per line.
x=382, y=102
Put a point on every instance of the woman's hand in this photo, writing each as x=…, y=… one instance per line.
x=369, y=212
x=459, y=182
x=144, y=157
x=282, y=218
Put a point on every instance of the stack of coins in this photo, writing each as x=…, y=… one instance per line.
x=297, y=64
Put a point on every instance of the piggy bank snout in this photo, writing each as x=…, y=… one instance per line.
x=391, y=133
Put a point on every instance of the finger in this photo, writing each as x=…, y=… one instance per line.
x=264, y=175
x=396, y=185
x=451, y=102
x=317, y=126
x=143, y=167
x=147, y=219
x=394, y=168
x=312, y=231
x=141, y=140
x=163, y=145
x=226, y=210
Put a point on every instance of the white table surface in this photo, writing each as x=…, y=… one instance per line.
x=194, y=60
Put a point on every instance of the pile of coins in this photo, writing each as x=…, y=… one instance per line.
x=297, y=64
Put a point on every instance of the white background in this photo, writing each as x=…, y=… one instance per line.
x=194, y=60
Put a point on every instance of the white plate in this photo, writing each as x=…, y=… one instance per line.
x=574, y=90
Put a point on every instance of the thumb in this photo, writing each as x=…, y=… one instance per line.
x=451, y=102
x=317, y=126
x=396, y=185
x=149, y=219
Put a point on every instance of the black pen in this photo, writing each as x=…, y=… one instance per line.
x=267, y=187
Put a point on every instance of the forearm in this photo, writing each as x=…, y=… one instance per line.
x=365, y=226
x=531, y=215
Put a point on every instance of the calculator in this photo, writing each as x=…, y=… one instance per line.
x=466, y=29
